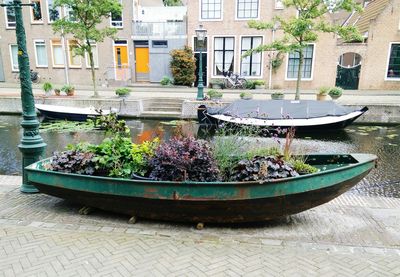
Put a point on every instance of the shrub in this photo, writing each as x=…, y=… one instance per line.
x=184, y=159
x=335, y=92
x=259, y=82
x=323, y=90
x=263, y=168
x=166, y=81
x=122, y=91
x=246, y=95
x=250, y=85
x=73, y=161
x=212, y=93
x=301, y=167
x=183, y=66
x=112, y=125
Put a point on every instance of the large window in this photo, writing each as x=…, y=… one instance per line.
x=393, y=71
x=74, y=59
x=279, y=5
x=41, y=53
x=95, y=56
x=116, y=19
x=57, y=53
x=251, y=65
x=14, y=57
x=294, y=60
x=211, y=9
x=247, y=9
x=9, y=15
x=36, y=11
x=224, y=48
x=53, y=12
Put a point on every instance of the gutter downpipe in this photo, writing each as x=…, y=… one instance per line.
x=270, y=63
x=66, y=73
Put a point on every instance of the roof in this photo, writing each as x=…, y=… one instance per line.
x=371, y=12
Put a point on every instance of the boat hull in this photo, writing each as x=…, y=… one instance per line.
x=202, y=202
x=69, y=113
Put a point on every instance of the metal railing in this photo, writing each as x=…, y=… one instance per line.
x=159, y=29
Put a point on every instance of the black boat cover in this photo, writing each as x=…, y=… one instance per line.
x=280, y=109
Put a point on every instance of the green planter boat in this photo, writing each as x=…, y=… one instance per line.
x=219, y=202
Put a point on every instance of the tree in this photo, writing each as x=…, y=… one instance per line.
x=172, y=2
x=82, y=23
x=183, y=66
x=303, y=29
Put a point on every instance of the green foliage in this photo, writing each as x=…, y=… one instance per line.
x=250, y=84
x=276, y=62
x=259, y=82
x=47, y=86
x=123, y=91
x=263, y=152
x=301, y=30
x=301, y=167
x=68, y=89
x=172, y=3
x=335, y=92
x=246, y=95
x=213, y=94
x=166, y=81
x=183, y=66
x=112, y=125
x=86, y=25
x=66, y=126
x=141, y=155
x=323, y=90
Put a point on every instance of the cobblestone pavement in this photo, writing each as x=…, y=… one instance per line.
x=44, y=236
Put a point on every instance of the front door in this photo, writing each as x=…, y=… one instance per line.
x=348, y=71
x=121, y=62
x=142, y=63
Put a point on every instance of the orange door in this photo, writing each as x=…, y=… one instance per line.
x=142, y=60
x=121, y=62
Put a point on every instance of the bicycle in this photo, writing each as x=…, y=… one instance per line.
x=233, y=80
x=35, y=77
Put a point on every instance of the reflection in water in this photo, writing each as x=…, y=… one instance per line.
x=380, y=140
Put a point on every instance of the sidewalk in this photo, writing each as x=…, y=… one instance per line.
x=45, y=236
x=142, y=91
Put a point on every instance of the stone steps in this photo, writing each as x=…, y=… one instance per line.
x=162, y=108
x=160, y=114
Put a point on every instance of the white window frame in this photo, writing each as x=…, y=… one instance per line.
x=211, y=19
x=312, y=64
x=49, y=21
x=122, y=18
x=262, y=57
x=212, y=44
x=36, y=56
x=6, y=17
x=41, y=11
x=87, y=61
x=247, y=18
x=126, y=43
x=387, y=63
x=279, y=5
x=52, y=53
x=13, y=69
x=71, y=57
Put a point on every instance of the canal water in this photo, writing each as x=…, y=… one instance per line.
x=384, y=141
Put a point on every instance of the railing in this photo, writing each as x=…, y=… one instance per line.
x=123, y=73
x=159, y=29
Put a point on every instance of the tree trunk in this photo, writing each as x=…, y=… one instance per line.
x=299, y=74
x=90, y=53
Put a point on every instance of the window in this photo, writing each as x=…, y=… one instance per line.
x=251, y=65
x=74, y=59
x=160, y=44
x=14, y=57
x=247, y=9
x=294, y=60
x=9, y=14
x=36, y=11
x=52, y=11
x=116, y=19
x=40, y=53
x=69, y=14
x=223, y=54
x=393, y=71
x=57, y=52
x=279, y=5
x=95, y=56
x=211, y=9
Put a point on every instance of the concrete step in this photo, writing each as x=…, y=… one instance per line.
x=165, y=109
x=160, y=114
x=163, y=105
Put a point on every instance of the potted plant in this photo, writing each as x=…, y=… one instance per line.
x=57, y=91
x=246, y=95
x=214, y=94
x=335, y=92
x=322, y=93
x=216, y=83
x=123, y=92
x=277, y=95
x=68, y=89
x=47, y=87
x=259, y=84
x=166, y=81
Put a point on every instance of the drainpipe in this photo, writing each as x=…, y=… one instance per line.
x=270, y=62
x=63, y=43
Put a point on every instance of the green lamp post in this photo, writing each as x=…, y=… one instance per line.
x=201, y=37
x=32, y=144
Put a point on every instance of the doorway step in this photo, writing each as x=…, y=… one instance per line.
x=162, y=108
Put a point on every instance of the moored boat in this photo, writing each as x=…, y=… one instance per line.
x=218, y=202
x=304, y=115
x=69, y=113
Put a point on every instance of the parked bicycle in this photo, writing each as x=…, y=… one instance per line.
x=35, y=77
x=233, y=80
